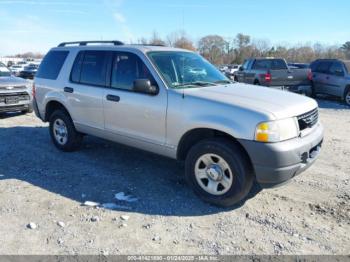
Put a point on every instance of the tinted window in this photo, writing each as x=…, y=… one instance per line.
x=94, y=68
x=274, y=64
x=336, y=69
x=51, y=66
x=323, y=67
x=128, y=67
x=314, y=65
x=245, y=64
x=75, y=74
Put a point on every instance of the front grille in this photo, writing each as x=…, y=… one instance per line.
x=22, y=96
x=308, y=119
x=12, y=87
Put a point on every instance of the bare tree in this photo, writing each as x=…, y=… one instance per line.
x=156, y=40
x=212, y=47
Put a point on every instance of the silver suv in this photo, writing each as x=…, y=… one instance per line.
x=174, y=103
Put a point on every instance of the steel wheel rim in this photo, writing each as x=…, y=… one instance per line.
x=213, y=174
x=60, y=131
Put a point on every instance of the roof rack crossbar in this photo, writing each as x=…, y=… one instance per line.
x=84, y=43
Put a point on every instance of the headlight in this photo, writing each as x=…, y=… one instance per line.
x=276, y=131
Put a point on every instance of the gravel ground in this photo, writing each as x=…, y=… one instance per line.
x=42, y=192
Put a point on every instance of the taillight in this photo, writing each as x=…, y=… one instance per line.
x=309, y=75
x=33, y=90
x=268, y=77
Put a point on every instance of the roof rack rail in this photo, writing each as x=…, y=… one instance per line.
x=150, y=45
x=84, y=43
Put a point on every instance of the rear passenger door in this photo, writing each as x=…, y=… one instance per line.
x=133, y=115
x=320, y=76
x=85, y=88
x=335, y=79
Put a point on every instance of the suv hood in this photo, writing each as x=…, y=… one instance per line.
x=276, y=103
x=12, y=81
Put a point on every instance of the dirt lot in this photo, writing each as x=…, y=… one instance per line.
x=38, y=184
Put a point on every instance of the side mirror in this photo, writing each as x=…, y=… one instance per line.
x=144, y=86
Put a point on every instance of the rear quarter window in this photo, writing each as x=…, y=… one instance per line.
x=51, y=66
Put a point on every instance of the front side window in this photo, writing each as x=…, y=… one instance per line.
x=126, y=68
x=186, y=69
x=94, y=68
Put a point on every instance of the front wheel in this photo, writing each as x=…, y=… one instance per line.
x=63, y=133
x=219, y=172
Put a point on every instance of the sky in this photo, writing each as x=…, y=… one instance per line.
x=38, y=25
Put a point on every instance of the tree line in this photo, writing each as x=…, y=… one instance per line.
x=219, y=50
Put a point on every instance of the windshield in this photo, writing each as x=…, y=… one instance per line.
x=186, y=70
x=4, y=71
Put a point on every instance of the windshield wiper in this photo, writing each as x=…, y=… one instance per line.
x=196, y=83
x=223, y=82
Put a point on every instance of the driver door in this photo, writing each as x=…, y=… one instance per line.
x=129, y=114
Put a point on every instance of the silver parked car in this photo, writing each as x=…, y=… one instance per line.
x=153, y=98
x=331, y=77
x=15, y=92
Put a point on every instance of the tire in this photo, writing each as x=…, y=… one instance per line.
x=256, y=83
x=238, y=170
x=347, y=96
x=235, y=79
x=69, y=140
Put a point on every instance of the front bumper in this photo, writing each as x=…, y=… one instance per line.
x=21, y=101
x=276, y=163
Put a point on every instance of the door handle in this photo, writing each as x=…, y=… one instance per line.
x=68, y=89
x=113, y=98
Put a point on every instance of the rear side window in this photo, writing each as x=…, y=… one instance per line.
x=75, y=74
x=51, y=66
x=323, y=67
x=336, y=69
x=94, y=68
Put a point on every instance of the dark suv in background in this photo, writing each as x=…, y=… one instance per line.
x=331, y=77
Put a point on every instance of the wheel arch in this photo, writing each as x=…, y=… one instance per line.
x=52, y=106
x=193, y=136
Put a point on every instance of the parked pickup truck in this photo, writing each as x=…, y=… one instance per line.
x=274, y=72
x=154, y=98
x=15, y=92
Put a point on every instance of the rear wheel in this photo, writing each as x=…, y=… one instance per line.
x=63, y=133
x=219, y=172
